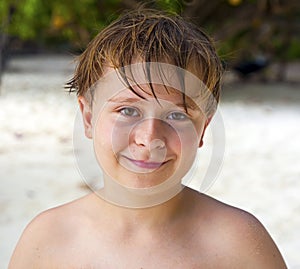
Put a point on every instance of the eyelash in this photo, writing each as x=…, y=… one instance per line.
x=182, y=115
x=136, y=113
x=134, y=110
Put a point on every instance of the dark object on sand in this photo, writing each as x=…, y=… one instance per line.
x=245, y=68
x=4, y=39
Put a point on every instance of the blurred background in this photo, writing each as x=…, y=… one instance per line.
x=249, y=34
x=259, y=43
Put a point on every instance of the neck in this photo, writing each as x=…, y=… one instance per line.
x=139, y=198
x=146, y=208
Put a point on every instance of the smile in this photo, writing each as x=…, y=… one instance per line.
x=145, y=164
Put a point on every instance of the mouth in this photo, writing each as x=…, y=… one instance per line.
x=145, y=164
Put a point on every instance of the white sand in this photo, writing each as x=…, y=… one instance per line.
x=261, y=171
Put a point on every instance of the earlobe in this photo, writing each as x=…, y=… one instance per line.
x=203, y=132
x=201, y=142
x=86, y=112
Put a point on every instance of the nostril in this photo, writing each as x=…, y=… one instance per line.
x=157, y=144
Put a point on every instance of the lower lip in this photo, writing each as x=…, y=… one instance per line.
x=146, y=165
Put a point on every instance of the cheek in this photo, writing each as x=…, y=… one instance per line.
x=119, y=138
x=174, y=142
x=190, y=139
x=102, y=130
x=189, y=143
x=108, y=142
x=112, y=135
x=102, y=139
x=188, y=135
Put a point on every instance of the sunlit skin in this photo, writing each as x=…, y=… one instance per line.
x=141, y=143
x=145, y=143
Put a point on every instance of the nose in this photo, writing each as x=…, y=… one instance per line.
x=150, y=133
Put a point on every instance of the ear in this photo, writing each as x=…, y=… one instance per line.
x=203, y=132
x=86, y=116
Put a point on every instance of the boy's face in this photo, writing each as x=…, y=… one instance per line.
x=142, y=141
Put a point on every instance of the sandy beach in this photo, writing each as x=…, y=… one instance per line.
x=260, y=167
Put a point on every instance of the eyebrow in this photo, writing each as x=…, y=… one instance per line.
x=188, y=105
x=123, y=100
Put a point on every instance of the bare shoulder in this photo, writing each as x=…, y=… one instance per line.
x=47, y=233
x=238, y=235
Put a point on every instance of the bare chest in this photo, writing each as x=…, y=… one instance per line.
x=112, y=253
x=138, y=258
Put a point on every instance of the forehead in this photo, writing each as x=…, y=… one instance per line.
x=157, y=92
x=143, y=73
x=158, y=80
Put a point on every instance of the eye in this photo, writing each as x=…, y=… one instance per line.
x=179, y=116
x=129, y=112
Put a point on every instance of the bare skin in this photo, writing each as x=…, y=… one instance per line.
x=191, y=230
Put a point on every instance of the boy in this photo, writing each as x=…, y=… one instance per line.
x=147, y=88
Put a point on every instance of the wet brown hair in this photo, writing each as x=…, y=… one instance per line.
x=153, y=36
